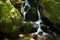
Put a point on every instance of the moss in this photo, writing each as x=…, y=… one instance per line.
x=10, y=20
x=14, y=1
x=27, y=28
x=3, y=0
x=51, y=10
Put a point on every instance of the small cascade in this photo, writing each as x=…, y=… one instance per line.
x=26, y=4
x=39, y=24
x=36, y=22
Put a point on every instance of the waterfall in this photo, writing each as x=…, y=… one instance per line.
x=26, y=4
x=39, y=24
x=36, y=22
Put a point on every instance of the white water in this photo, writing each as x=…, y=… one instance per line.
x=36, y=22
x=26, y=4
x=39, y=24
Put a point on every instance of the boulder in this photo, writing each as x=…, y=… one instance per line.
x=10, y=19
x=32, y=14
x=50, y=13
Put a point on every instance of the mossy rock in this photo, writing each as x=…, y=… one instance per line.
x=27, y=28
x=14, y=1
x=10, y=20
x=51, y=11
x=31, y=14
x=17, y=4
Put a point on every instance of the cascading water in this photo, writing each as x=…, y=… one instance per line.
x=36, y=22
x=39, y=24
x=26, y=4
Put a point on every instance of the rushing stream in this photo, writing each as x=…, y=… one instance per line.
x=38, y=22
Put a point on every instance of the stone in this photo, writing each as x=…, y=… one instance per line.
x=10, y=20
x=50, y=13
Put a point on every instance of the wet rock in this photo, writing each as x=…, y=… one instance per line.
x=31, y=14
